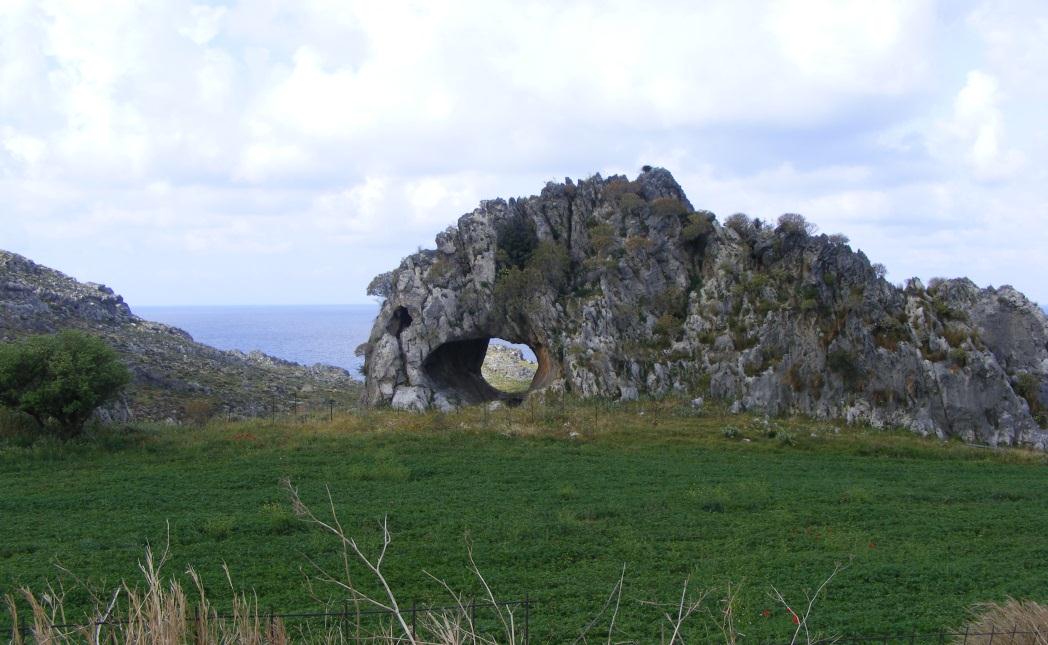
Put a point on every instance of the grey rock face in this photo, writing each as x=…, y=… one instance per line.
x=622, y=289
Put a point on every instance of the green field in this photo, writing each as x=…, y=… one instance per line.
x=554, y=501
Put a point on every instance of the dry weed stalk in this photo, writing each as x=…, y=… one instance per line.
x=447, y=627
x=800, y=621
x=684, y=611
x=726, y=621
x=616, y=594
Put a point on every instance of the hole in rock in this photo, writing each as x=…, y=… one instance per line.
x=399, y=321
x=488, y=369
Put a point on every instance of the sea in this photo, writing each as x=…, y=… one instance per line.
x=305, y=334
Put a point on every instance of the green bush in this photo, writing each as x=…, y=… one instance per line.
x=60, y=378
x=697, y=228
x=958, y=356
x=667, y=328
x=665, y=207
x=1028, y=386
x=794, y=224
x=553, y=264
x=602, y=237
x=632, y=205
x=517, y=240
x=740, y=223
x=846, y=365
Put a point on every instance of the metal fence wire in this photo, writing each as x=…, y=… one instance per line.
x=351, y=624
x=995, y=636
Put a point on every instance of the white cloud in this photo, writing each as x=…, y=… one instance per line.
x=976, y=130
x=257, y=134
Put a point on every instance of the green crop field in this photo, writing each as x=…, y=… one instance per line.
x=554, y=502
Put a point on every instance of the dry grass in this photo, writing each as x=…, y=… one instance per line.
x=160, y=613
x=1019, y=622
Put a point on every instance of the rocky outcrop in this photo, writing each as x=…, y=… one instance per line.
x=506, y=368
x=622, y=289
x=173, y=376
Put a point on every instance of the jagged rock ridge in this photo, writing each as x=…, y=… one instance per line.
x=621, y=288
x=172, y=374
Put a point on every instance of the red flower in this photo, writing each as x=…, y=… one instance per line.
x=873, y=545
x=766, y=613
x=793, y=615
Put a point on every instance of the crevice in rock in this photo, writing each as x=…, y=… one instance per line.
x=399, y=321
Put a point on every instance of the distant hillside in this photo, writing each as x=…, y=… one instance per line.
x=174, y=376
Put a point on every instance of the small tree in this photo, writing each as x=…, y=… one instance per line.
x=794, y=224
x=740, y=223
x=60, y=377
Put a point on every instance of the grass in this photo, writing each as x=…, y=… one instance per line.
x=554, y=500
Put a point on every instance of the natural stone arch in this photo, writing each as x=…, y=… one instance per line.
x=621, y=288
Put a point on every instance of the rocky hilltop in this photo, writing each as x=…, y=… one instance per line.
x=174, y=377
x=507, y=369
x=623, y=289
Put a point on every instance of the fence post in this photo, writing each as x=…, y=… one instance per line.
x=993, y=628
x=196, y=624
x=966, y=634
x=527, y=618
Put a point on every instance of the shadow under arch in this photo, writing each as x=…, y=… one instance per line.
x=455, y=367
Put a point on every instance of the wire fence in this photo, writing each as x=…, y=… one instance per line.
x=350, y=624
x=484, y=621
x=966, y=637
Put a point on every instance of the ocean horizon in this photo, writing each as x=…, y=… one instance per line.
x=305, y=334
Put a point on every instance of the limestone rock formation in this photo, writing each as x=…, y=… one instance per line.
x=172, y=374
x=622, y=289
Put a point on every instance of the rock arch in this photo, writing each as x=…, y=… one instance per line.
x=621, y=288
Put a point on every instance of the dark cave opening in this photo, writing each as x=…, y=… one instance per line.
x=457, y=368
x=399, y=321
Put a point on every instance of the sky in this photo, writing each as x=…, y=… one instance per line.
x=284, y=153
